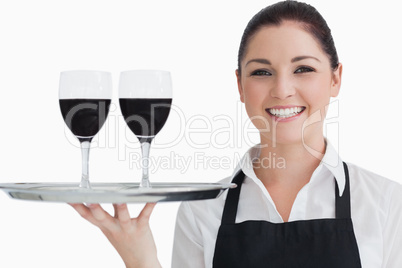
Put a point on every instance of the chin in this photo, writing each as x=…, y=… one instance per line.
x=282, y=139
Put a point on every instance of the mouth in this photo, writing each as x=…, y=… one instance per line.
x=285, y=112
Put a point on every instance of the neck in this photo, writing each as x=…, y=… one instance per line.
x=289, y=162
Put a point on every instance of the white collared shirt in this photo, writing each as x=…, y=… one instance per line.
x=376, y=207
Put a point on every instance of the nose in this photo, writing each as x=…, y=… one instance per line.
x=282, y=88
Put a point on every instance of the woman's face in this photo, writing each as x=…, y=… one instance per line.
x=286, y=83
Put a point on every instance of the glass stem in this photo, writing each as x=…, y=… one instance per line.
x=145, y=147
x=85, y=146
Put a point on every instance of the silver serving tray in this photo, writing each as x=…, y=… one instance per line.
x=114, y=192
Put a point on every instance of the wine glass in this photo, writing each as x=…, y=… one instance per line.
x=145, y=98
x=85, y=98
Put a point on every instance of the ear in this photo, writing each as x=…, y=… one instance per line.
x=239, y=86
x=336, y=81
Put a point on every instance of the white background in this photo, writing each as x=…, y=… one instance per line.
x=197, y=42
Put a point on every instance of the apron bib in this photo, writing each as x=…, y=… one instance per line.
x=322, y=243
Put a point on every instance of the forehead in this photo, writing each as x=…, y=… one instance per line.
x=287, y=40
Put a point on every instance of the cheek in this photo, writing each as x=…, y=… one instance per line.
x=254, y=100
x=317, y=93
x=254, y=93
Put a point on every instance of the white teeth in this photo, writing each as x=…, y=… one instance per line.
x=285, y=113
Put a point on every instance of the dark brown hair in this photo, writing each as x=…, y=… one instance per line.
x=310, y=19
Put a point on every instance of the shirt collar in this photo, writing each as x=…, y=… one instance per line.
x=331, y=161
x=334, y=164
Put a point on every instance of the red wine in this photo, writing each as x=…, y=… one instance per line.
x=145, y=117
x=84, y=117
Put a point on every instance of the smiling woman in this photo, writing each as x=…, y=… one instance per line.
x=300, y=215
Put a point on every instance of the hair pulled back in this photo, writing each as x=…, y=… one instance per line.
x=309, y=18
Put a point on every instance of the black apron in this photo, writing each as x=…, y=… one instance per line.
x=321, y=243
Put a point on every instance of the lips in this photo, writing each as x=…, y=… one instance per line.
x=285, y=112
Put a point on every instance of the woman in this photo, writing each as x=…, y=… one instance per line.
x=313, y=211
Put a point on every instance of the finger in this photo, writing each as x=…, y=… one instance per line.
x=103, y=218
x=116, y=212
x=85, y=212
x=146, y=212
x=123, y=215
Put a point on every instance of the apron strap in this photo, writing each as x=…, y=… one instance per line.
x=232, y=200
x=342, y=203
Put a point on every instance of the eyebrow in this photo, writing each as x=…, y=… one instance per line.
x=299, y=58
x=295, y=59
x=263, y=61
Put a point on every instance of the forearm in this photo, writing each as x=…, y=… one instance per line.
x=132, y=263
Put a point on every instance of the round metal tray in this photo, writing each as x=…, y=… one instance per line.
x=114, y=192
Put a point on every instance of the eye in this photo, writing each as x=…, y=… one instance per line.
x=261, y=73
x=304, y=69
